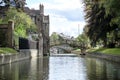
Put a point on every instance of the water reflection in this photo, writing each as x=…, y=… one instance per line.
x=67, y=68
x=102, y=70
x=15, y=71
x=24, y=70
x=61, y=68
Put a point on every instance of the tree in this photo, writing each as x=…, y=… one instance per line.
x=23, y=23
x=83, y=41
x=54, y=38
x=112, y=7
x=13, y=3
x=98, y=21
x=61, y=38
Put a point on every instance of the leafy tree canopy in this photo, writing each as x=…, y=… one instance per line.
x=103, y=19
x=83, y=40
x=23, y=23
x=14, y=3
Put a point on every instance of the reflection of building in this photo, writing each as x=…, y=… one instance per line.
x=42, y=22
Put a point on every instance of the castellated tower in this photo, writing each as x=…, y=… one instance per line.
x=42, y=22
x=41, y=9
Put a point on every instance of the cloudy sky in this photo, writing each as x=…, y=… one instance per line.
x=66, y=16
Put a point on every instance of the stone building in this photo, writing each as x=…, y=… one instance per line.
x=42, y=22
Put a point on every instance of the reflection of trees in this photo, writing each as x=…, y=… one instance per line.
x=102, y=70
x=96, y=69
x=15, y=71
x=91, y=68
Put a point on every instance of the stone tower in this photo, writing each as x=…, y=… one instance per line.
x=42, y=22
x=41, y=9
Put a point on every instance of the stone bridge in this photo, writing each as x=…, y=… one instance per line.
x=59, y=49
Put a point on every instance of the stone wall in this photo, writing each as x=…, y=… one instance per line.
x=22, y=55
x=6, y=34
x=105, y=56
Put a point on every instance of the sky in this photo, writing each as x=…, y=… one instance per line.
x=66, y=16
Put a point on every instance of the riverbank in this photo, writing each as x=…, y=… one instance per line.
x=7, y=50
x=77, y=51
x=109, y=51
x=112, y=54
x=114, y=58
x=21, y=55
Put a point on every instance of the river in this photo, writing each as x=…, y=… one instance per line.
x=61, y=68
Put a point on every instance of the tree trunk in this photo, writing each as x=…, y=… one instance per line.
x=105, y=41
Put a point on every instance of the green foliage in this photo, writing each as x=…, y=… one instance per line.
x=83, y=40
x=113, y=51
x=20, y=31
x=7, y=51
x=0, y=21
x=103, y=17
x=23, y=25
x=112, y=7
x=54, y=38
x=23, y=22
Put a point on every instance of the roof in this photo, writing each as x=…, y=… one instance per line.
x=31, y=11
